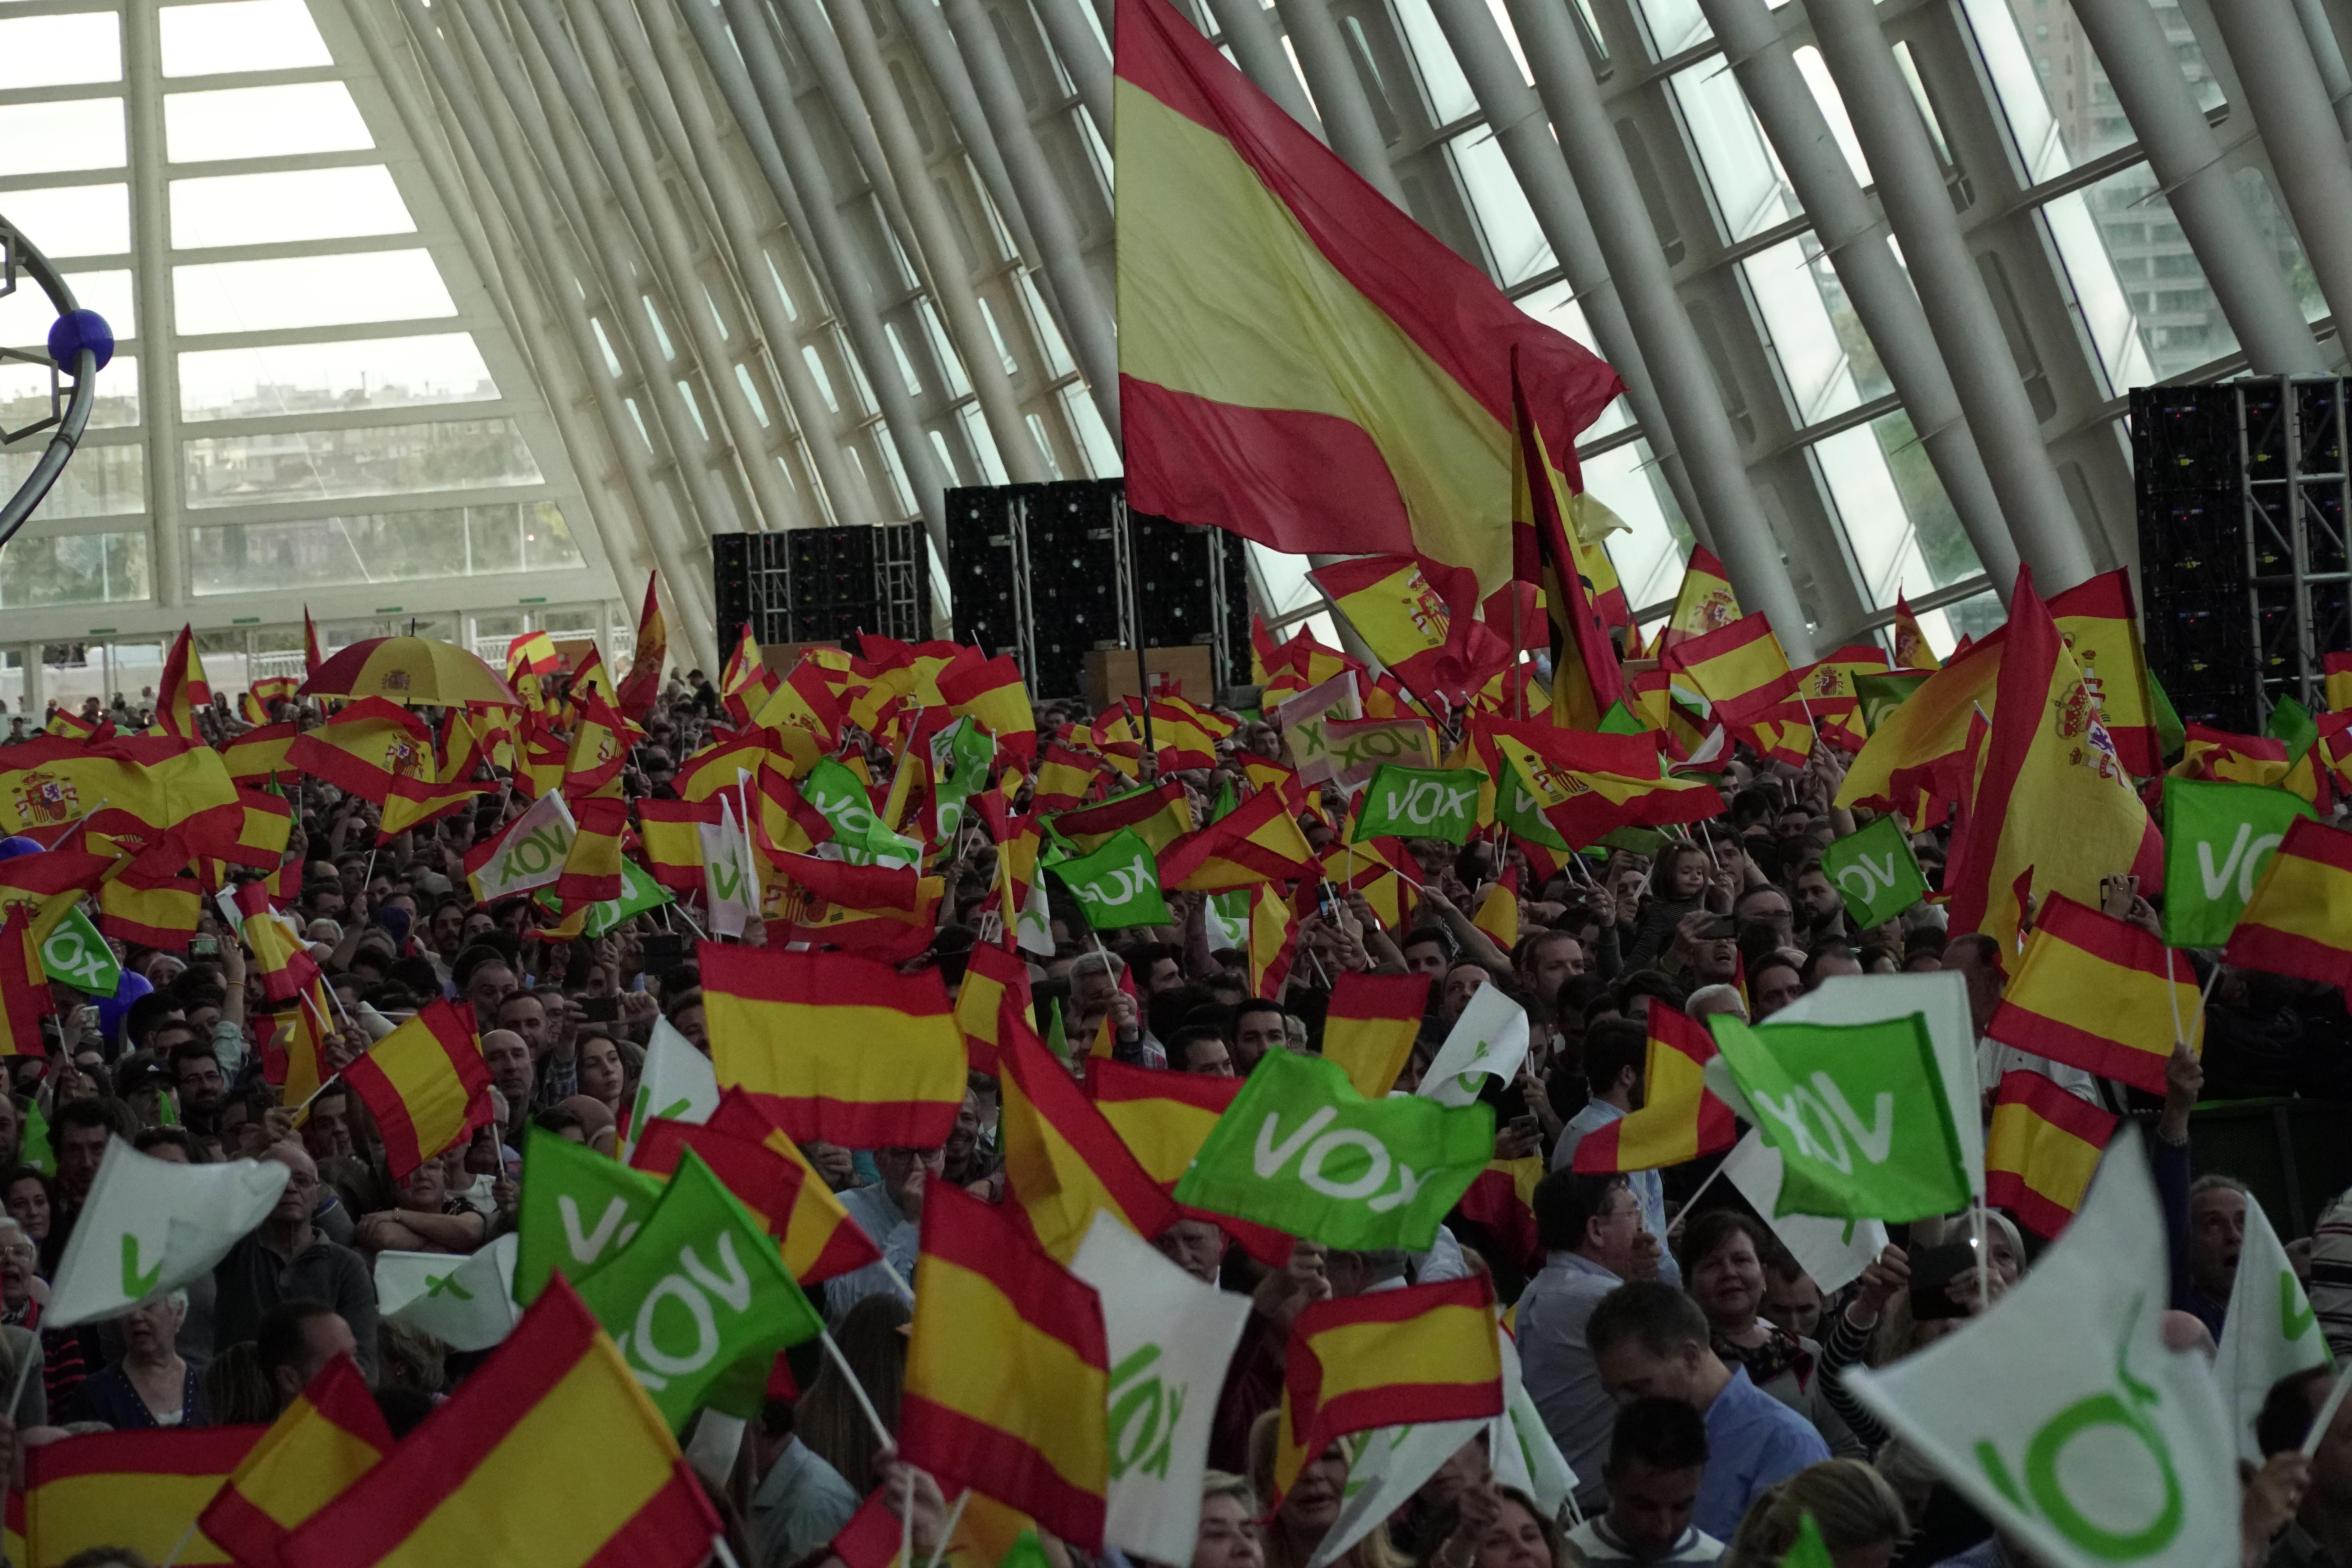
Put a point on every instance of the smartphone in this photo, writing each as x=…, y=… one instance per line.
x=600, y=1009
x=1932, y=1273
x=203, y=947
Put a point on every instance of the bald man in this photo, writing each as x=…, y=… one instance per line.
x=286, y=1259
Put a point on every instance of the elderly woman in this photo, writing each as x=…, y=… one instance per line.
x=1229, y=1534
x=151, y=1385
x=427, y=1218
x=1723, y=1257
x=17, y=1339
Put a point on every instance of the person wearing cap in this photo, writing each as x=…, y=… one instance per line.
x=146, y=1087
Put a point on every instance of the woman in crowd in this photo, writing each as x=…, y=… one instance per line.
x=152, y=1384
x=1722, y=1255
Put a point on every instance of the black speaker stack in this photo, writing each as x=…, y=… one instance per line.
x=823, y=585
x=1049, y=572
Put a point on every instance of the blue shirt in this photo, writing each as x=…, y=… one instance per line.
x=1556, y=1365
x=898, y=1238
x=1752, y=1441
x=1648, y=1190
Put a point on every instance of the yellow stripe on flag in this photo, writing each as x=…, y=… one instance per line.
x=962, y=1381
x=1423, y=1349
x=2054, y=1161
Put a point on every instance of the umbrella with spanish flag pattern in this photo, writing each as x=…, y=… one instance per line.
x=410, y=669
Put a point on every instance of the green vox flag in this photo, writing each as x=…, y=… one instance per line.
x=1057, y=1039
x=1619, y=720
x=2171, y=734
x=1810, y=1550
x=1857, y=1111
x=2292, y=722
x=1516, y=808
x=1420, y=803
x=841, y=799
x=1226, y=804
x=76, y=955
x=1117, y=885
x=1301, y=1151
x=577, y=1208
x=2218, y=838
x=1883, y=694
x=960, y=756
x=35, y=1143
x=639, y=892
x=701, y=1292
x=1875, y=872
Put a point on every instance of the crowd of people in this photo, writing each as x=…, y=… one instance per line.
x=1681, y=1360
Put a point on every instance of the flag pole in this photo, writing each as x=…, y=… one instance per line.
x=947, y=1532
x=841, y=1365
x=182, y=1544
x=2327, y=1416
x=332, y=1080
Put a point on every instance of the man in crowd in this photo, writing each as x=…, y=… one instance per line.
x=1594, y=1240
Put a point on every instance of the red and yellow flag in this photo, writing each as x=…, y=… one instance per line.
x=2299, y=921
x=533, y=653
x=1062, y=1159
x=24, y=988
x=1273, y=941
x=1588, y=784
x=496, y=1473
x=182, y=691
x=746, y=684
x=887, y=913
x=1258, y=841
x=1403, y=620
x=294, y=1053
x=261, y=753
x=2102, y=994
x=324, y=1442
x=284, y=962
x=312, y=655
x=993, y=980
x=1163, y=1118
x=141, y=785
x=1299, y=360
x=835, y=1046
x=1679, y=1120
x=1371, y=1025
x=2040, y=1151
x=1427, y=1353
x=147, y=898
x=643, y=683
x=424, y=1084
x=1502, y=1199
x=1740, y=669
x=1586, y=678
x=990, y=693
x=752, y=1158
x=1498, y=909
x=666, y=832
x=1159, y=815
x=1911, y=649
x=140, y=1489
x=1705, y=603
x=364, y=749
x=1025, y=1423
x=592, y=865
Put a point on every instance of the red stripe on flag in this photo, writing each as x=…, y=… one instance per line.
x=2008, y=1190
x=2119, y=943
x=676, y=1526
x=996, y=1464
x=2276, y=952
x=816, y=979
x=169, y=1451
x=2096, y=1054
x=2068, y=1112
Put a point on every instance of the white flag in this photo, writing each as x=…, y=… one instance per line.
x=1035, y=923
x=1520, y=1449
x=728, y=885
x=1941, y=1001
x=151, y=1226
x=1834, y=1252
x=1490, y=1037
x=2061, y=1415
x=466, y=1303
x=1385, y=1467
x=2271, y=1330
x=528, y=854
x=677, y=1084
x=1169, y=1338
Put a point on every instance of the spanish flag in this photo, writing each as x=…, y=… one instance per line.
x=261, y=753
x=424, y=1084
x=2100, y=623
x=2335, y=671
x=294, y=1053
x=753, y=1158
x=148, y=900
x=1929, y=724
x=313, y=656
x=1502, y=1199
x=1062, y=1160
x=801, y=717
x=1273, y=941
x=1064, y=777
x=1023, y=1423
x=68, y=725
x=715, y=767
x=533, y=653
x=1498, y=911
x=1300, y=362
x=284, y=963
x=1740, y=669
x=276, y=688
x=642, y=685
x=1163, y=1118
x=1588, y=784
x=549, y=1454
x=2102, y=994
x=140, y=1490
x=2299, y=921
x=890, y=914
x=1185, y=736
x=2040, y=1149
x=1259, y=841
x=592, y=865
x=139, y=785
x=48, y=886
x=24, y=988
x=1678, y=1120
x=363, y=750
x=1427, y=1353
x=666, y=832
x=1159, y=815
x=746, y=685
x=1587, y=678
x=1911, y=649
x=183, y=692
x=1705, y=603
x=324, y=1442
x=1399, y=617
x=993, y=980
x=990, y=693
x=835, y=1046
x=1371, y=1027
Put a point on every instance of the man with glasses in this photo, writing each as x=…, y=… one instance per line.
x=287, y=1260
x=890, y=1212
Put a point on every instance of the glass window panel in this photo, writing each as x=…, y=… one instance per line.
x=397, y=547
x=24, y=394
x=262, y=123
x=72, y=133
x=1288, y=588
x=1094, y=435
x=101, y=481
x=309, y=291
x=57, y=51
x=1902, y=531
x=1650, y=553
x=1674, y=25
x=983, y=443
x=301, y=203
x=2060, y=108
x=1739, y=162
x=322, y=465
x=1441, y=81
x=297, y=378
x=1825, y=95
x=242, y=36
x=74, y=220
x=1799, y=330
x=1515, y=241
x=2122, y=241
x=1555, y=305
x=750, y=391
x=26, y=315
x=78, y=569
x=1040, y=322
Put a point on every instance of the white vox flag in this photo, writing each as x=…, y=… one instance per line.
x=1490, y=1037
x=466, y=1303
x=728, y=885
x=1520, y=1450
x=1170, y=1337
x=1834, y=1252
x=1385, y=1467
x=151, y=1225
x=677, y=1084
x=2271, y=1330
x=528, y=854
x=2061, y=1414
x=1035, y=924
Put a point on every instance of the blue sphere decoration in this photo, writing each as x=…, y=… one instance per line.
x=79, y=329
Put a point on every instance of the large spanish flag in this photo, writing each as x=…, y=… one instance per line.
x=1159, y=815
x=140, y=1490
x=1427, y=1353
x=2299, y=921
x=1258, y=841
x=1679, y=1120
x=2102, y=994
x=1062, y=1160
x=1370, y=1026
x=141, y=784
x=638, y=688
x=2040, y=1149
x=753, y=1158
x=835, y=1046
x=261, y=753
x=1163, y=1118
x=548, y=1453
x=1705, y=603
x=1300, y=362
x=362, y=750
x=424, y=1084
x=328, y=1439
x=1022, y=1422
